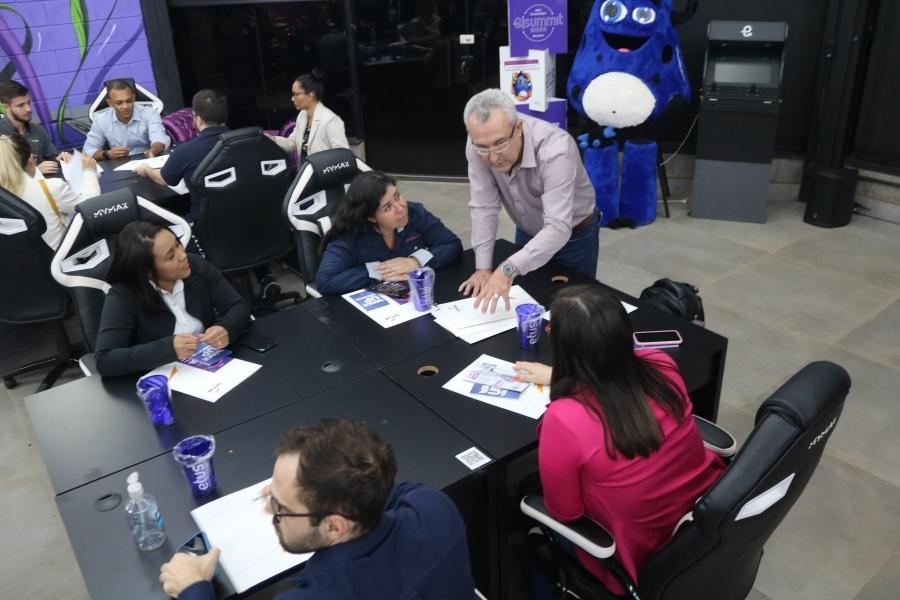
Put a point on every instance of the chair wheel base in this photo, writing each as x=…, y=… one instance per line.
x=10, y=382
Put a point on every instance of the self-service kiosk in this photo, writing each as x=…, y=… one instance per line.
x=739, y=104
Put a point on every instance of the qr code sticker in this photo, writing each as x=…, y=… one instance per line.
x=473, y=458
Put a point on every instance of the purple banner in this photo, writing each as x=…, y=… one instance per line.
x=538, y=24
x=555, y=113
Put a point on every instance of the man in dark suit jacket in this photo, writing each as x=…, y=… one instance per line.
x=333, y=493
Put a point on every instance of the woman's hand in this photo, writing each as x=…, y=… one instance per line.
x=185, y=344
x=396, y=269
x=216, y=336
x=533, y=372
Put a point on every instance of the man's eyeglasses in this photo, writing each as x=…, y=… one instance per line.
x=277, y=514
x=497, y=148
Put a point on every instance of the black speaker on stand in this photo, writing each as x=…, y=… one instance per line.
x=828, y=187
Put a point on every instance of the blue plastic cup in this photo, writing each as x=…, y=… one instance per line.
x=421, y=288
x=157, y=397
x=530, y=318
x=195, y=454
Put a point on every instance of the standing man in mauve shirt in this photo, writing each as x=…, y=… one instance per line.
x=532, y=169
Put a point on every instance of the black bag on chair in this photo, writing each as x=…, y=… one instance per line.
x=680, y=299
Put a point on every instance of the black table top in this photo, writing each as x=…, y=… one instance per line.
x=112, y=180
x=113, y=567
x=95, y=426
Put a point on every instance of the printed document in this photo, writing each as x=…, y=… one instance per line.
x=203, y=384
x=488, y=380
x=240, y=527
x=383, y=309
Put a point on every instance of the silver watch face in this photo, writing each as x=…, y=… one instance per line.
x=508, y=270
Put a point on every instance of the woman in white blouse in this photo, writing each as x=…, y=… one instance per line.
x=53, y=198
x=318, y=128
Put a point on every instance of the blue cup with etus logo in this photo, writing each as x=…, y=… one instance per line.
x=530, y=318
x=421, y=288
x=195, y=455
x=157, y=397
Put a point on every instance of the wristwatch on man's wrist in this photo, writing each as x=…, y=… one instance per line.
x=106, y=155
x=509, y=270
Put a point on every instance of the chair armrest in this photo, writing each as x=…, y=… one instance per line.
x=88, y=364
x=312, y=292
x=715, y=438
x=583, y=532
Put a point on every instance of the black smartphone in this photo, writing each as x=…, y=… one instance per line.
x=257, y=342
x=197, y=545
x=394, y=289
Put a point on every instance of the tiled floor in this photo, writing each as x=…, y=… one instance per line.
x=784, y=293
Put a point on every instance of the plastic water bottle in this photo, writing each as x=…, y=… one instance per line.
x=144, y=519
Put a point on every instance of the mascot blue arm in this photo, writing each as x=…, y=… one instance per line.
x=628, y=70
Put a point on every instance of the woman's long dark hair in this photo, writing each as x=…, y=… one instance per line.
x=133, y=263
x=359, y=205
x=594, y=362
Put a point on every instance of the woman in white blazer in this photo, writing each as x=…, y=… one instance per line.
x=53, y=198
x=318, y=128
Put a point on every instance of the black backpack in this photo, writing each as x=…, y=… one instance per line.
x=679, y=299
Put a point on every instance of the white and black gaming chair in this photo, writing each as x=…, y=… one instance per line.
x=143, y=97
x=82, y=260
x=317, y=191
x=242, y=183
x=30, y=295
x=716, y=549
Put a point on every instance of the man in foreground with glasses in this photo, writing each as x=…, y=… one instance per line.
x=333, y=493
x=534, y=170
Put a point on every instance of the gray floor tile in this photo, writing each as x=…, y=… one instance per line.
x=681, y=252
x=792, y=296
x=622, y=276
x=760, y=356
x=836, y=537
x=866, y=435
x=886, y=583
x=877, y=338
x=757, y=595
x=870, y=257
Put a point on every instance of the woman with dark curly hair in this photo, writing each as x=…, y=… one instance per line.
x=377, y=234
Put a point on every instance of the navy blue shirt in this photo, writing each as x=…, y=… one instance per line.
x=418, y=551
x=343, y=266
x=185, y=157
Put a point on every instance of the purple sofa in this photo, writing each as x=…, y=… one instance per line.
x=180, y=125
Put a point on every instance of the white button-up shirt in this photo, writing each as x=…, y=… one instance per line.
x=185, y=322
x=144, y=128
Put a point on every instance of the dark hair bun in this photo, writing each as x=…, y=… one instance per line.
x=317, y=74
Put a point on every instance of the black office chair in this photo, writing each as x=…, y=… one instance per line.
x=143, y=97
x=314, y=195
x=716, y=549
x=31, y=295
x=83, y=258
x=242, y=182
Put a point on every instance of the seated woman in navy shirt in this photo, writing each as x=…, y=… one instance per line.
x=162, y=303
x=377, y=234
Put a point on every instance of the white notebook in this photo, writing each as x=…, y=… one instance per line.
x=240, y=527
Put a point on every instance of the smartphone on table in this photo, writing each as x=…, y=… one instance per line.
x=664, y=338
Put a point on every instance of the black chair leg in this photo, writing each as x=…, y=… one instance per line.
x=66, y=357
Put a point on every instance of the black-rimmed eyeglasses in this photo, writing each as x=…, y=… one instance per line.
x=277, y=514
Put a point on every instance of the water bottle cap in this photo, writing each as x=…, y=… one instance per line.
x=135, y=490
x=133, y=478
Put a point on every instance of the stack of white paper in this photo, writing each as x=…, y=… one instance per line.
x=204, y=384
x=240, y=527
x=154, y=163
x=532, y=402
x=463, y=320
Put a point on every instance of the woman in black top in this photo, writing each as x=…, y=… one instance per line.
x=163, y=302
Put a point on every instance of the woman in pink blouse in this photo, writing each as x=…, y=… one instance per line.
x=617, y=443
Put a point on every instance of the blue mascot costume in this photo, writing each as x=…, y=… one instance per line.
x=628, y=70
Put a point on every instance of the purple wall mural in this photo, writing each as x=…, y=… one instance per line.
x=63, y=51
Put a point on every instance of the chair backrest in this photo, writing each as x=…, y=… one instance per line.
x=242, y=183
x=29, y=293
x=83, y=258
x=316, y=192
x=179, y=125
x=717, y=554
x=143, y=96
